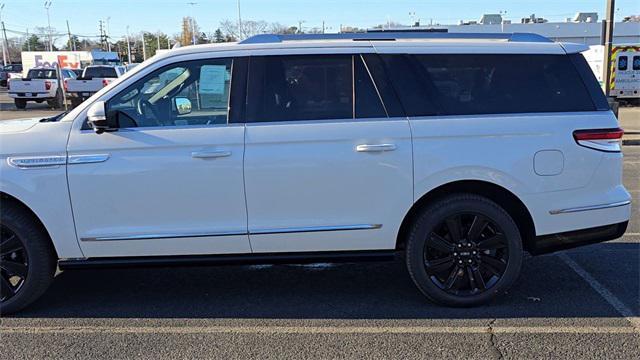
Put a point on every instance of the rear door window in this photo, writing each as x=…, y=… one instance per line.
x=623, y=63
x=636, y=63
x=311, y=87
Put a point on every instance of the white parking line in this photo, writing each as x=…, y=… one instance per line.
x=317, y=330
x=603, y=291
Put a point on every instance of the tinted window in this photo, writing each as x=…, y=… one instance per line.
x=368, y=103
x=493, y=84
x=636, y=63
x=623, y=63
x=285, y=88
x=383, y=85
x=100, y=72
x=41, y=74
x=409, y=84
x=182, y=94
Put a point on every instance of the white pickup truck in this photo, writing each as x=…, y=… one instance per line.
x=93, y=79
x=40, y=84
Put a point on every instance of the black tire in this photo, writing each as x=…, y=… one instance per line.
x=75, y=101
x=447, y=272
x=33, y=251
x=20, y=103
x=58, y=101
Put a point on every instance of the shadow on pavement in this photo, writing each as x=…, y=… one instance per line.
x=547, y=288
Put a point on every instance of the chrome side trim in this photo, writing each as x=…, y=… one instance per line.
x=591, y=207
x=88, y=159
x=232, y=233
x=163, y=236
x=315, y=229
x=25, y=162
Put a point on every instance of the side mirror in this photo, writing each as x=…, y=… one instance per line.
x=97, y=118
x=183, y=105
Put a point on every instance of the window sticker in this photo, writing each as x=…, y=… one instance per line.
x=213, y=79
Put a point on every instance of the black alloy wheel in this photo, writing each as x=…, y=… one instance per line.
x=14, y=263
x=466, y=254
x=463, y=250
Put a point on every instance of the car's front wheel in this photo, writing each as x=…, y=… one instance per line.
x=27, y=259
x=464, y=250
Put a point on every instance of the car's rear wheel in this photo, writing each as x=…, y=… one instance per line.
x=20, y=103
x=464, y=250
x=58, y=101
x=27, y=260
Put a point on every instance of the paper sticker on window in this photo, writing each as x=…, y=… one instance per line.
x=213, y=79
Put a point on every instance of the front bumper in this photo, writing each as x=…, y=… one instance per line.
x=553, y=242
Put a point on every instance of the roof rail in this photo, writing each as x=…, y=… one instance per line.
x=392, y=36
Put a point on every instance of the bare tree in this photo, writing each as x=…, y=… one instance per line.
x=249, y=28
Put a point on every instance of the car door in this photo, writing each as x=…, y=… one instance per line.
x=326, y=167
x=169, y=181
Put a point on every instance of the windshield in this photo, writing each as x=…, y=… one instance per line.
x=41, y=74
x=100, y=72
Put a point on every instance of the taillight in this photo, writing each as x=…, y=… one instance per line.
x=600, y=139
x=47, y=85
x=66, y=86
x=104, y=82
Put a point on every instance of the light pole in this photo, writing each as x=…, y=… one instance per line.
x=239, y=22
x=108, y=34
x=47, y=5
x=193, y=23
x=607, y=42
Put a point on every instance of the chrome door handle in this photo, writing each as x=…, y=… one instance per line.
x=210, y=154
x=375, y=147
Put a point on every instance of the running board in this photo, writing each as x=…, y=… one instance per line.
x=233, y=259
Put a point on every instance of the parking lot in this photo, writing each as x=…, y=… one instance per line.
x=582, y=303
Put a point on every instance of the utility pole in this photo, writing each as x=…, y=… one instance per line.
x=5, y=49
x=5, y=46
x=323, y=26
x=101, y=35
x=300, y=26
x=158, y=37
x=607, y=42
x=47, y=5
x=28, y=43
x=72, y=45
x=128, y=47
x=144, y=48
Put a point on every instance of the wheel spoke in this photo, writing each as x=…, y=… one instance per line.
x=477, y=227
x=497, y=241
x=6, y=290
x=475, y=278
x=453, y=277
x=439, y=243
x=494, y=265
x=14, y=268
x=455, y=228
x=435, y=266
x=9, y=245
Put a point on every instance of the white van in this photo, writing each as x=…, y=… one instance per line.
x=454, y=152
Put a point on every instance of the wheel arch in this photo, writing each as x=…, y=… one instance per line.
x=7, y=199
x=500, y=195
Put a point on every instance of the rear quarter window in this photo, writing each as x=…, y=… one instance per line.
x=465, y=84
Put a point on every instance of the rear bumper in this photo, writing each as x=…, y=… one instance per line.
x=30, y=96
x=567, y=240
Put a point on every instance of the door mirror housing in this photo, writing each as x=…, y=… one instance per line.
x=183, y=105
x=97, y=118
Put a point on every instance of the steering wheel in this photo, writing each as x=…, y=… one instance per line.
x=147, y=110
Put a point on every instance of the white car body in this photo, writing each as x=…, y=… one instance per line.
x=308, y=186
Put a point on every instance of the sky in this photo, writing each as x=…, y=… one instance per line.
x=166, y=15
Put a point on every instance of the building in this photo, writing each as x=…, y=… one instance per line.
x=583, y=28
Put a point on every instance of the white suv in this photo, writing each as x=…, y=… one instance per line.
x=457, y=152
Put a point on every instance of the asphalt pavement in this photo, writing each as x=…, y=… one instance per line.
x=581, y=303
